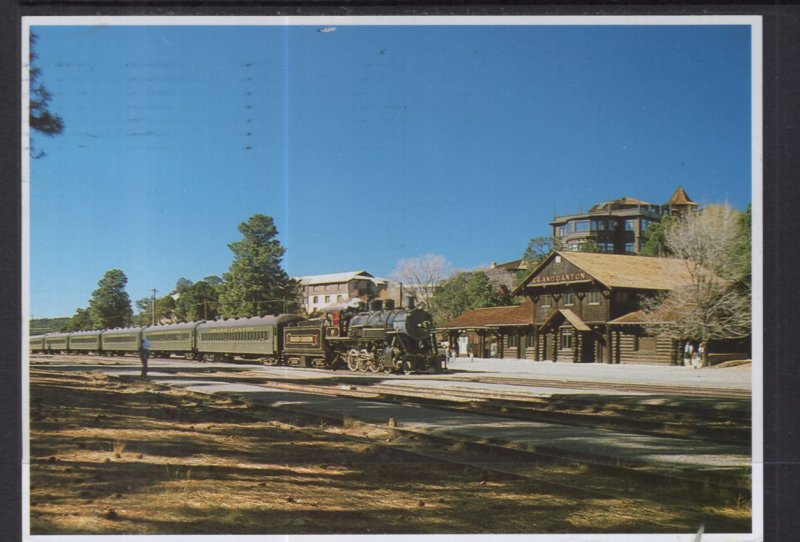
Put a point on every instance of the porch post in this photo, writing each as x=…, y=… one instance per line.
x=556, y=343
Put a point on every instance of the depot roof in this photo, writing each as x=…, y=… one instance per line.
x=513, y=315
x=622, y=271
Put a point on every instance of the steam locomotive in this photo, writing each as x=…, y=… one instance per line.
x=382, y=339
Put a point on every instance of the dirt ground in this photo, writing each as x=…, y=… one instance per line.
x=114, y=457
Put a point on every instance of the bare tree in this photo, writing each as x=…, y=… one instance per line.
x=713, y=304
x=421, y=276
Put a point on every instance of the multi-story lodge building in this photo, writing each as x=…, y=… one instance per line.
x=319, y=291
x=580, y=307
x=617, y=226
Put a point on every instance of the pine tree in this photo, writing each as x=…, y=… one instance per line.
x=110, y=305
x=41, y=119
x=80, y=321
x=256, y=284
x=198, y=301
x=537, y=250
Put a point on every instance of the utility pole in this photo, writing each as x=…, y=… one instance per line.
x=153, y=308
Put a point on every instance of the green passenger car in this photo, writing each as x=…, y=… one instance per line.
x=257, y=338
x=56, y=342
x=121, y=341
x=84, y=341
x=36, y=343
x=171, y=339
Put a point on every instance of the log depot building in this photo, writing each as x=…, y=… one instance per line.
x=580, y=307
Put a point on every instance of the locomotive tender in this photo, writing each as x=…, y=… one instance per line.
x=382, y=339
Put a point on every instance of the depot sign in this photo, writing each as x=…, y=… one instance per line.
x=564, y=277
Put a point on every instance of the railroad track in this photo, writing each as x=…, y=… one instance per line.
x=721, y=481
x=693, y=391
x=683, y=391
x=728, y=426
x=502, y=461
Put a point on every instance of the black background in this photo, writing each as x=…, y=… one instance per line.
x=781, y=243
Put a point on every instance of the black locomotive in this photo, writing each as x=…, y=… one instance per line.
x=382, y=339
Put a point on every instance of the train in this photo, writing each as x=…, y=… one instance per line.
x=381, y=339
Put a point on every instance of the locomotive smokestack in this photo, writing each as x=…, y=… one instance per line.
x=409, y=302
x=388, y=304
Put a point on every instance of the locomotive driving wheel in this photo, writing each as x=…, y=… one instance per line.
x=373, y=363
x=352, y=360
x=368, y=361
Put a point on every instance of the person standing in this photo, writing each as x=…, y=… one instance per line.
x=687, y=354
x=697, y=360
x=470, y=354
x=144, y=353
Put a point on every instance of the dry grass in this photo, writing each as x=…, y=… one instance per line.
x=115, y=457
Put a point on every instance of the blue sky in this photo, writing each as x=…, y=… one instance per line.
x=367, y=144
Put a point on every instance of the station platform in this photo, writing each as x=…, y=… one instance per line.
x=737, y=377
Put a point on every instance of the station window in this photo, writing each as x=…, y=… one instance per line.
x=594, y=297
x=566, y=341
x=629, y=223
x=327, y=299
x=598, y=225
x=546, y=300
x=628, y=247
x=316, y=299
x=563, y=230
x=569, y=299
x=644, y=344
x=513, y=339
x=606, y=247
x=581, y=225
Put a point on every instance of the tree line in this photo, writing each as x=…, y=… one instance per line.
x=254, y=285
